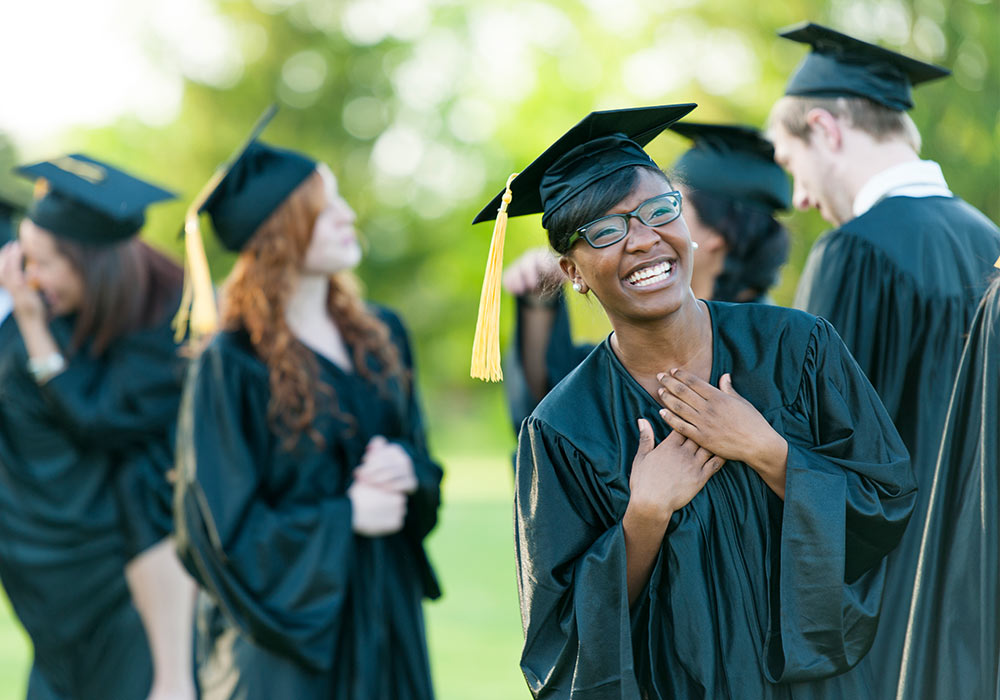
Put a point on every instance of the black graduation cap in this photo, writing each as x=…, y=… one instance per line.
x=239, y=197
x=600, y=144
x=90, y=201
x=840, y=65
x=733, y=160
x=251, y=185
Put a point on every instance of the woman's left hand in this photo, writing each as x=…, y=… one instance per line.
x=388, y=466
x=27, y=301
x=724, y=423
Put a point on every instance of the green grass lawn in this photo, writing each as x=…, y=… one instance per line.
x=474, y=630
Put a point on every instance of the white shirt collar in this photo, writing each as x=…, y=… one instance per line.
x=915, y=178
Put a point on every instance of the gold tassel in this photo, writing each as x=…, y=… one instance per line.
x=486, y=344
x=997, y=263
x=197, y=315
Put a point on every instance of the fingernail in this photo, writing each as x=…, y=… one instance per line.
x=664, y=412
x=673, y=371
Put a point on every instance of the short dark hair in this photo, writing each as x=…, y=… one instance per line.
x=757, y=244
x=593, y=203
x=127, y=287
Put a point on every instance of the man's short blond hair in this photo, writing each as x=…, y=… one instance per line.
x=878, y=121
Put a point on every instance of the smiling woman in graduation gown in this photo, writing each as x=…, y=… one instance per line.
x=646, y=570
x=90, y=385
x=300, y=420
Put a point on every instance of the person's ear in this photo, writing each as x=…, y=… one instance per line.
x=572, y=273
x=826, y=128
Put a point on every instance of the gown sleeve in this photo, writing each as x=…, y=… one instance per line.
x=279, y=571
x=874, y=306
x=849, y=493
x=133, y=394
x=422, y=505
x=571, y=570
x=561, y=357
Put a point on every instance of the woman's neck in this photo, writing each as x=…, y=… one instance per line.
x=309, y=319
x=683, y=339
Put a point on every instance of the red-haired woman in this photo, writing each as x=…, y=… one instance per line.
x=90, y=383
x=306, y=488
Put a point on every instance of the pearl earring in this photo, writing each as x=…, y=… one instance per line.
x=694, y=245
x=577, y=287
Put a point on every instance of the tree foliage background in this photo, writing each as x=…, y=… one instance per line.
x=423, y=107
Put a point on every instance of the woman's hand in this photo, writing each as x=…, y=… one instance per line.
x=723, y=422
x=664, y=477
x=667, y=476
x=387, y=466
x=375, y=512
x=28, y=304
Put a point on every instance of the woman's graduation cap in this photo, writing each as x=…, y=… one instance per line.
x=733, y=160
x=840, y=65
x=600, y=144
x=90, y=201
x=239, y=197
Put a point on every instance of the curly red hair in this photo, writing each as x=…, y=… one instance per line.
x=257, y=292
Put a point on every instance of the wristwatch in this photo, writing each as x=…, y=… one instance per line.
x=42, y=369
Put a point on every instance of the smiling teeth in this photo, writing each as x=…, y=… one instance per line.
x=650, y=275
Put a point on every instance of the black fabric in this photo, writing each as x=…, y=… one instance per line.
x=267, y=532
x=840, y=65
x=953, y=637
x=64, y=536
x=89, y=200
x=750, y=597
x=901, y=284
x=561, y=356
x=614, y=136
x=735, y=161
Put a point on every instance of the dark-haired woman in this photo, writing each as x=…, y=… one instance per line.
x=704, y=505
x=732, y=189
x=90, y=384
x=306, y=486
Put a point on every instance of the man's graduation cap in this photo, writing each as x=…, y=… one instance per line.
x=840, y=65
x=600, y=144
x=239, y=197
x=90, y=201
x=733, y=160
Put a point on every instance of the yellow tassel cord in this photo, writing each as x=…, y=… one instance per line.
x=197, y=315
x=486, y=344
x=997, y=263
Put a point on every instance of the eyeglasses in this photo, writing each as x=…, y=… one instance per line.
x=610, y=229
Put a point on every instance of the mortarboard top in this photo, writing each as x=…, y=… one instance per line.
x=842, y=66
x=733, y=160
x=239, y=197
x=90, y=201
x=599, y=145
x=251, y=185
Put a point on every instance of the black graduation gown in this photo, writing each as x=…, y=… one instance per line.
x=750, y=597
x=901, y=284
x=953, y=639
x=70, y=455
x=298, y=605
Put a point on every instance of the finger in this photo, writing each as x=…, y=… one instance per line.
x=713, y=465
x=697, y=384
x=680, y=408
x=377, y=442
x=726, y=385
x=673, y=387
x=703, y=455
x=646, y=440
x=679, y=425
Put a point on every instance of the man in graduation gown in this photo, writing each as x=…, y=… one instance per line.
x=903, y=271
x=953, y=638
